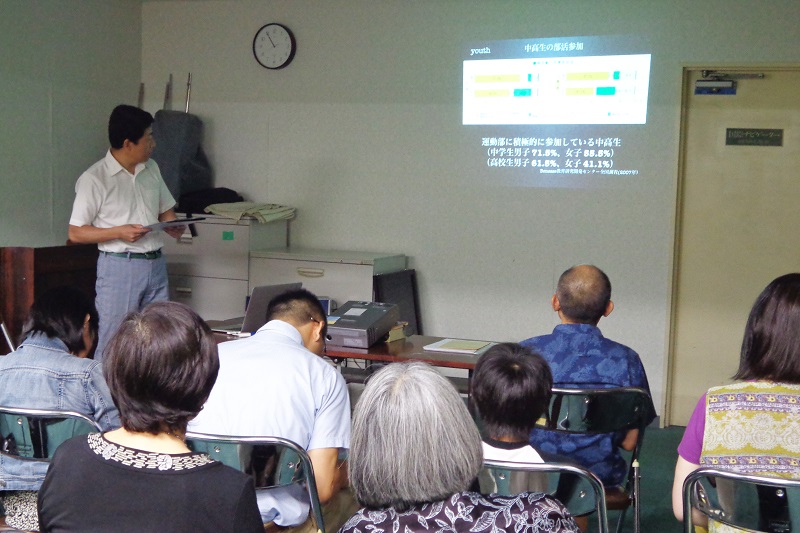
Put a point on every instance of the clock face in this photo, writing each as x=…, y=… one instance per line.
x=274, y=46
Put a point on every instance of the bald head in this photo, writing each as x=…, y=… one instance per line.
x=583, y=294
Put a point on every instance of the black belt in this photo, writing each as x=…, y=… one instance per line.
x=136, y=255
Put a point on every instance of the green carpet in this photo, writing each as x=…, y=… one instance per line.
x=657, y=467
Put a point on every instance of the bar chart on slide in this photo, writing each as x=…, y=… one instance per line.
x=609, y=89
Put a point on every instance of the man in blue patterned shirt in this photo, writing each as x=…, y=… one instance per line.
x=580, y=357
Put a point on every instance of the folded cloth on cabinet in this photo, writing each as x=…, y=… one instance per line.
x=262, y=212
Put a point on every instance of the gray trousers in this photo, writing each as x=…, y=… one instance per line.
x=125, y=285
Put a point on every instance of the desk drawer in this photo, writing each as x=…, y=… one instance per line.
x=211, y=298
x=340, y=281
x=218, y=251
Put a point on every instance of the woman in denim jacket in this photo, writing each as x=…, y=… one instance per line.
x=51, y=369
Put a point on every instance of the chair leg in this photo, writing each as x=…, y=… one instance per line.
x=621, y=520
x=634, y=503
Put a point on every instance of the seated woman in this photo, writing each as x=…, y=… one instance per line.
x=50, y=370
x=414, y=452
x=752, y=426
x=160, y=367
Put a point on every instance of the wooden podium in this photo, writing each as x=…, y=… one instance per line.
x=27, y=272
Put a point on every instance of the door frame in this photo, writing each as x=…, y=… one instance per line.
x=686, y=93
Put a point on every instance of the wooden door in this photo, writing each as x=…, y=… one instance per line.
x=738, y=221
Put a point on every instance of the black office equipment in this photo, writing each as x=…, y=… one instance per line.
x=400, y=288
x=361, y=324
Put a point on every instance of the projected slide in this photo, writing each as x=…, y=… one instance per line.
x=558, y=112
x=557, y=90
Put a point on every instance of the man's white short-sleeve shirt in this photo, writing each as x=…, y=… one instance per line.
x=107, y=195
x=271, y=385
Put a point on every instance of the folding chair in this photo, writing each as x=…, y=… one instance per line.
x=742, y=501
x=34, y=434
x=612, y=410
x=271, y=461
x=576, y=487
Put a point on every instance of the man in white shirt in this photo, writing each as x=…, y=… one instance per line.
x=114, y=200
x=276, y=384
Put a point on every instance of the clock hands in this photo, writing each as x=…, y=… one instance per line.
x=270, y=40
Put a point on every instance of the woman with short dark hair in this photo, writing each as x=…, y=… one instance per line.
x=160, y=366
x=752, y=426
x=50, y=370
x=414, y=453
x=67, y=314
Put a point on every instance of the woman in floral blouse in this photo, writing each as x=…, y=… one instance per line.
x=751, y=426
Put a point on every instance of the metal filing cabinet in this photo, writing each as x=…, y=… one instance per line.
x=339, y=274
x=210, y=271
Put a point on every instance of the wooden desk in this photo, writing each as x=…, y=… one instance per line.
x=409, y=349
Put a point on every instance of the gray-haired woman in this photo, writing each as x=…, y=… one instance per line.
x=414, y=453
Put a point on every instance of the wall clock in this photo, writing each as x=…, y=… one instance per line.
x=274, y=46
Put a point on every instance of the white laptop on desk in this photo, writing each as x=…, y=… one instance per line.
x=255, y=315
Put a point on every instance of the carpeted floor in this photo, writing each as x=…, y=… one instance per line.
x=657, y=468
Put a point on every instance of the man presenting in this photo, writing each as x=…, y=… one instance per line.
x=580, y=357
x=114, y=200
x=275, y=384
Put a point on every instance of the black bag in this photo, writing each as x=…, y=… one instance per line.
x=196, y=202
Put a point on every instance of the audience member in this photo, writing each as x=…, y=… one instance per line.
x=753, y=425
x=580, y=357
x=160, y=367
x=276, y=384
x=511, y=388
x=416, y=451
x=50, y=370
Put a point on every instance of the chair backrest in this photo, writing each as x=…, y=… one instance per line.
x=270, y=461
x=36, y=433
x=574, y=486
x=592, y=411
x=750, y=502
x=599, y=410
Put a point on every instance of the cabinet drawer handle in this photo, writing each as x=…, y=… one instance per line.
x=185, y=238
x=311, y=272
x=184, y=290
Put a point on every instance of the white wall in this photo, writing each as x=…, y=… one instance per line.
x=63, y=68
x=362, y=134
